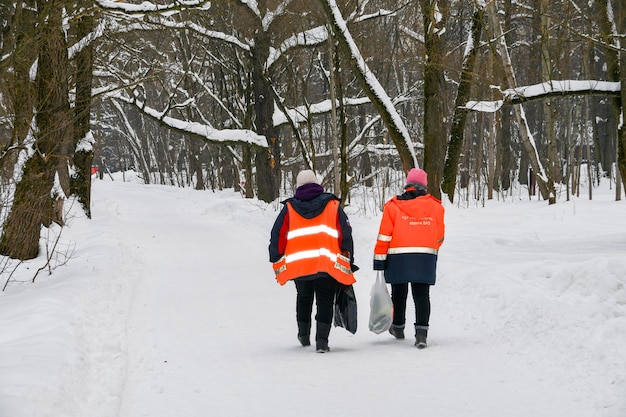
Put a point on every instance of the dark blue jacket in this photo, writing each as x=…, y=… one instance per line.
x=413, y=261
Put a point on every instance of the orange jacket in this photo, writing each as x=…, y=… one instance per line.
x=410, y=235
x=313, y=247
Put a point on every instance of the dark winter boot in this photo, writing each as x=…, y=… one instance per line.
x=304, y=333
x=321, y=337
x=421, y=333
x=397, y=331
x=321, y=346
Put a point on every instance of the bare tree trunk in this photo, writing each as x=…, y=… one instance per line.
x=194, y=149
x=267, y=160
x=589, y=171
x=343, y=136
x=491, y=153
x=548, y=111
x=434, y=86
x=609, y=49
x=464, y=91
x=509, y=157
x=397, y=130
x=620, y=20
x=580, y=169
x=33, y=205
x=83, y=141
x=22, y=91
x=618, y=182
x=333, y=112
x=247, y=165
x=479, y=157
x=527, y=140
x=568, y=169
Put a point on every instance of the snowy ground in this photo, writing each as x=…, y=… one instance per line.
x=168, y=307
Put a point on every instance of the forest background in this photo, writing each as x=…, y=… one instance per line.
x=489, y=97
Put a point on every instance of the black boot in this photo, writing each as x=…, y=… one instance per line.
x=421, y=333
x=321, y=337
x=397, y=331
x=304, y=333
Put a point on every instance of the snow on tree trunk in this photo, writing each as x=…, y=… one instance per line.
x=80, y=184
x=372, y=87
x=22, y=100
x=33, y=205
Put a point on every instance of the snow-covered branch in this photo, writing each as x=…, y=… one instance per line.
x=301, y=114
x=269, y=17
x=554, y=88
x=375, y=15
x=311, y=37
x=205, y=32
x=374, y=90
x=253, y=6
x=97, y=33
x=149, y=7
x=199, y=130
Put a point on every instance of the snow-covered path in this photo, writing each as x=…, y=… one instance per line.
x=181, y=316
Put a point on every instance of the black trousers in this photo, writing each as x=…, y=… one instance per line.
x=322, y=289
x=421, y=299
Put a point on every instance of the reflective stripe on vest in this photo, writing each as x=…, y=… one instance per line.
x=313, y=247
x=306, y=231
x=405, y=250
x=410, y=226
x=412, y=249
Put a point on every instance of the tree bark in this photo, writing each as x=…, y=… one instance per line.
x=434, y=95
x=397, y=130
x=524, y=131
x=21, y=91
x=548, y=111
x=267, y=160
x=83, y=141
x=343, y=135
x=464, y=91
x=32, y=204
x=616, y=69
x=621, y=146
x=333, y=111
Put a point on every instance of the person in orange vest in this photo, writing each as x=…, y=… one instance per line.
x=311, y=245
x=410, y=235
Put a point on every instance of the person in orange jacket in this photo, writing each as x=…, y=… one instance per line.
x=311, y=244
x=410, y=235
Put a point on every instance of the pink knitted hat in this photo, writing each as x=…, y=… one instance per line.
x=417, y=176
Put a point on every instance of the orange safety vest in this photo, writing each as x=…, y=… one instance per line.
x=410, y=226
x=313, y=247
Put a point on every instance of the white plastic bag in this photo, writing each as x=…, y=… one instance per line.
x=381, y=306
